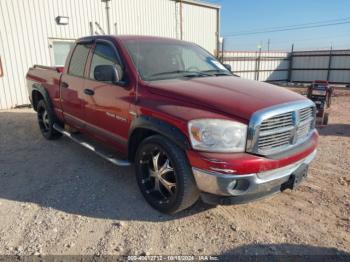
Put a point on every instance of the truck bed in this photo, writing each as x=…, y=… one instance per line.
x=48, y=78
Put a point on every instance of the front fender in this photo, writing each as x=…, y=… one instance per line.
x=161, y=127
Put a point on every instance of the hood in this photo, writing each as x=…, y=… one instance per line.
x=228, y=94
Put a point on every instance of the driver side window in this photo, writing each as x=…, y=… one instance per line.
x=104, y=54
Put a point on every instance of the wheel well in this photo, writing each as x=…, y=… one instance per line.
x=137, y=136
x=36, y=97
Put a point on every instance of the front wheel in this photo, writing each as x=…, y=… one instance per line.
x=164, y=175
x=45, y=120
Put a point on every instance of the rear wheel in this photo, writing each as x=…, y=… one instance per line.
x=164, y=175
x=45, y=121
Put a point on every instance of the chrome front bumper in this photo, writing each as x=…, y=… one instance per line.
x=251, y=184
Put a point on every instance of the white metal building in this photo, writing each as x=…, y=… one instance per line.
x=42, y=31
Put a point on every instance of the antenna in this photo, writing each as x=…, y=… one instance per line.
x=100, y=28
x=137, y=64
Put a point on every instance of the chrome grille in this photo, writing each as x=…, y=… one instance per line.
x=305, y=114
x=303, y=131
x=280, y=121
x=269, y=142
x=275, y=130
x=305, y=122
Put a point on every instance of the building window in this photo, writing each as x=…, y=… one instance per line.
x=60, y=50
x=1, y=71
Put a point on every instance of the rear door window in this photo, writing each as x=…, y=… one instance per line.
x=78, y=60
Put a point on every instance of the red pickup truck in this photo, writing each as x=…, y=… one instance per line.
x=191, y=128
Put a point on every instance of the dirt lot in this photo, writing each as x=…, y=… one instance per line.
x=58, y=198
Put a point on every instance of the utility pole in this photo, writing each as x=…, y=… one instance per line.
x=91, y=25
x=221, y=56
x=107, y=15
x=329, y=63
x=290, y=67
x=268, y=45
x=181, y=22
x=257, y=63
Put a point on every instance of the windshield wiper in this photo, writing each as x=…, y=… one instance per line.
x=218, y=72
x=184, y=72
x=196, y=74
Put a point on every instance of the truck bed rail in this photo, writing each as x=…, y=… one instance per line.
x=48, y=68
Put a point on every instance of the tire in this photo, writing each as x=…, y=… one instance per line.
x=164, y=175
x=46, y=121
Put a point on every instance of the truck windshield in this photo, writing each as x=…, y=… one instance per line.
x=159, y=60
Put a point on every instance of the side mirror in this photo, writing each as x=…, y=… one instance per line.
x=108, y=73
x=228, y=67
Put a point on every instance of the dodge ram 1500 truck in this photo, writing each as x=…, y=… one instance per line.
x=191, y=128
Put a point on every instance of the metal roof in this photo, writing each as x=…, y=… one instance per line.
x=202, y=3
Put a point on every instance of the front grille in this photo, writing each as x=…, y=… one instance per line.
x=277, y=132
x=305, y=114
x=303, y=131
x=269, y=142
x=279, y=121
x=306, y=117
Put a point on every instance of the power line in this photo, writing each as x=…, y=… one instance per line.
x=296, y=25
x=288, y=28
x=314, y=39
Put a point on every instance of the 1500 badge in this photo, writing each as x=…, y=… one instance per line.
x=116, y=117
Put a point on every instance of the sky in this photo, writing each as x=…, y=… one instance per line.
x=251, y=15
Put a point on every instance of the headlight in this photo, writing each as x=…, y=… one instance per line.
x=217, y=135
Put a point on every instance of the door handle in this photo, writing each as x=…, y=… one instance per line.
x=64, y=85
x=89, y=92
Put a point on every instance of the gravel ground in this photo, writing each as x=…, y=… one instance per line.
x=58, y=198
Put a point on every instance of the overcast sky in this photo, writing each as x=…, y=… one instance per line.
x=250, y=15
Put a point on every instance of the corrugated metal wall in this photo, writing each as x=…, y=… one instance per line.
x=300, y=66
x=311, y=65
x=197, y=20
x=26, y=27
x=151, y=17
x=261, y=66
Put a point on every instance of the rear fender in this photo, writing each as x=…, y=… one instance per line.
x=45, y=95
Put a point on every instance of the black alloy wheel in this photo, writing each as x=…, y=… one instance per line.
x=46, y=122
x=164, y=175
